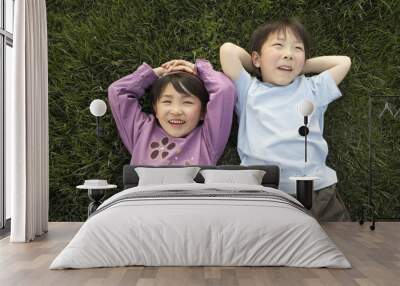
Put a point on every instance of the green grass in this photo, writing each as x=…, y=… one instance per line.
x=93, y=43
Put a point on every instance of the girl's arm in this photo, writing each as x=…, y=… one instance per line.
x=123, y=97
x=218, y=119
x=233, y=58
x=337, y=66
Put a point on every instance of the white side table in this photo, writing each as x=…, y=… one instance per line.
x=95, y=193
x=304, y=189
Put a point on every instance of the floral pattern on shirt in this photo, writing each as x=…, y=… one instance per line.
x=162, y=148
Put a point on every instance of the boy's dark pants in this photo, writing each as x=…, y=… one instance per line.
x=328, y=206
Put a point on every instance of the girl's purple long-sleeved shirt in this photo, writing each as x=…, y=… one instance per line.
x=148, y=143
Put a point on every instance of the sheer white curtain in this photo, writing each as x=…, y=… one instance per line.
x=27, y=124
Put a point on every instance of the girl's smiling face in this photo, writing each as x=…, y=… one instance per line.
x=178, y=113
x=281, y=59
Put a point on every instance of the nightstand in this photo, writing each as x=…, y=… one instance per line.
x=304, y=190
x=96, y=192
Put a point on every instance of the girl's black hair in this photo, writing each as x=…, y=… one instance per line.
x=183, y=82
x=261, y=34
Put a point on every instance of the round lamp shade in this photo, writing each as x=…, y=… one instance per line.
x=306, y=107
x=98, y=107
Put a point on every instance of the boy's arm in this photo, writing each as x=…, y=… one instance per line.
x=123, y=97
x=337, y=66
x=233, y=58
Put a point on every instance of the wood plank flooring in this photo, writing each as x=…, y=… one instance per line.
x=374, y=255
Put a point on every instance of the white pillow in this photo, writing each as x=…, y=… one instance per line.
x=248, y=177
x=166, y=176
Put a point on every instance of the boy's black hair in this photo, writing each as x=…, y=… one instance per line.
x=183, y=82
x=261, y=34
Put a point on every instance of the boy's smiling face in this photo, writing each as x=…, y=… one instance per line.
x=282, y=58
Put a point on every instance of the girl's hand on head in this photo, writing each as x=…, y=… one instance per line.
x=180, y=65
x=160, y=71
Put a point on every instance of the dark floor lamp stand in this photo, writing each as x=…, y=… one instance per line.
x=371, y=206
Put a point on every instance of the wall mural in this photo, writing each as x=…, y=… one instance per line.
x=94, y=43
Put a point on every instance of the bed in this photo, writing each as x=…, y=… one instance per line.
x=214, y=217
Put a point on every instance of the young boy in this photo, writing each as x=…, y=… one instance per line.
x=268, y=108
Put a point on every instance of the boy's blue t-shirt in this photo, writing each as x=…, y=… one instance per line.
x=269, y=121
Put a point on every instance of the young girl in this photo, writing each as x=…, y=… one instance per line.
x=267, y=108
x=193, y=108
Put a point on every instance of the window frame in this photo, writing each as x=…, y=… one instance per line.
x=6, y=39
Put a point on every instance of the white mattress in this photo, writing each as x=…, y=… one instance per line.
x=182, y=231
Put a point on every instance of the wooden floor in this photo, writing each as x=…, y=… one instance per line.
x=374, y=255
